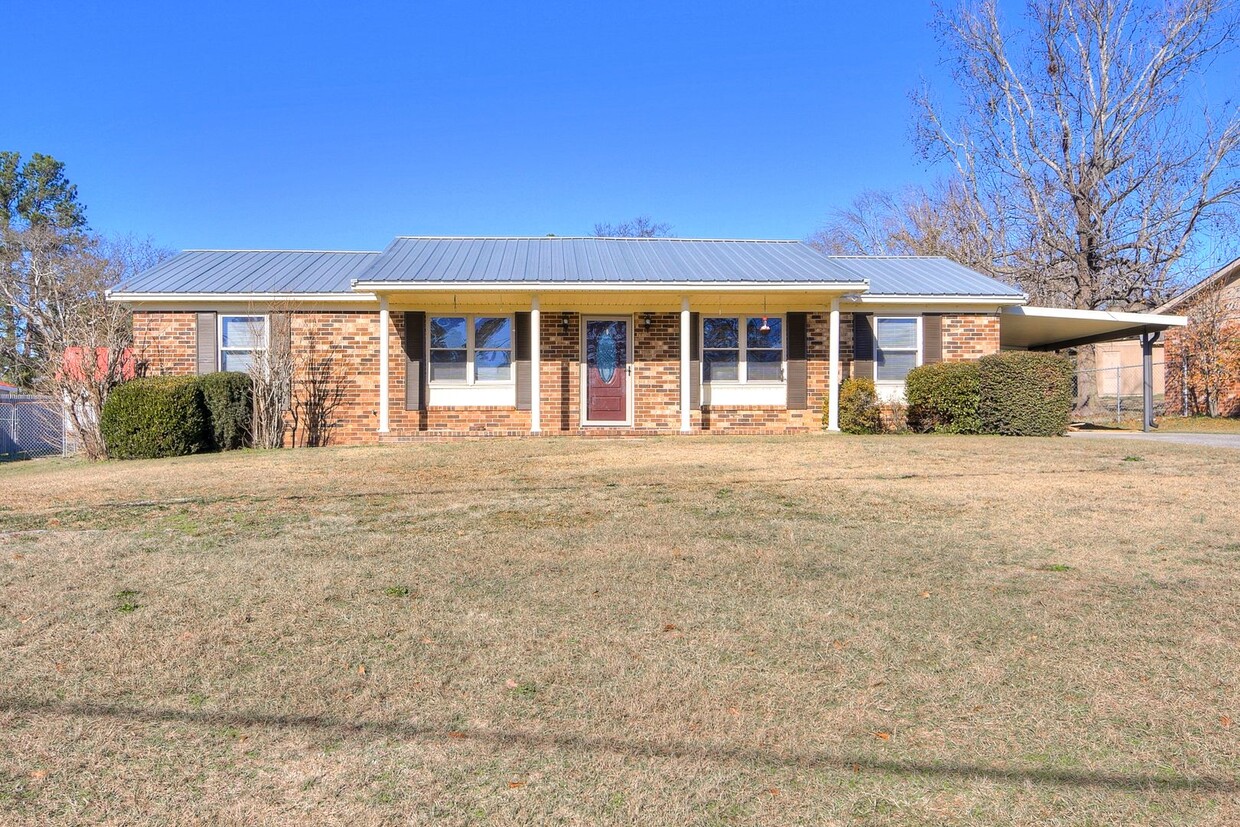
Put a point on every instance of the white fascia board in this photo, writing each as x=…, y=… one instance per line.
x=912, y=298
x=1150, y=319
x=242, y=298
x=611, y=287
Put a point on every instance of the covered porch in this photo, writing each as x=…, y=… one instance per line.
x=608, y=360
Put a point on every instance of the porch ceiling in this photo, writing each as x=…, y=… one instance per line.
x=1052, y=328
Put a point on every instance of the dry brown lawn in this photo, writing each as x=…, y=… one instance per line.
x=806, y=630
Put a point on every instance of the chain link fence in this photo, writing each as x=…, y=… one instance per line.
x=1115, y=393
x=31, y=426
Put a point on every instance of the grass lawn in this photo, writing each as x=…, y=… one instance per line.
x=804, y=630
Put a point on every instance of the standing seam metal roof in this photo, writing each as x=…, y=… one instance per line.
x=601, y=261
x=252, y=271
x=556, y=260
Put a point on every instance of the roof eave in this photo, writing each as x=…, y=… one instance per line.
x=592, y=286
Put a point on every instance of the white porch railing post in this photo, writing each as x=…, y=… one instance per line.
x=384, y=323
x=833, y=371
x=535, y=366
x=686, y=421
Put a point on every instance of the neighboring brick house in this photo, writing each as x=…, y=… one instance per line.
x=592, y=336
x=1211, y=341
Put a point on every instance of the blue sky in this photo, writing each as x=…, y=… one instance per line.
x=339, y=125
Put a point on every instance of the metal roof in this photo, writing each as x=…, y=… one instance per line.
x=922, y=276
x=554, y=260
x=601, y=261
x=251, y=271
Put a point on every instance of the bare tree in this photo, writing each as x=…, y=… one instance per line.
x=1079, y=146
x=641, y=227
x=75, y=344
x=913, y=222
x=320, y=384
x=271, y=374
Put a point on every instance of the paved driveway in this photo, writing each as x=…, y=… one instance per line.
x=1208, y=440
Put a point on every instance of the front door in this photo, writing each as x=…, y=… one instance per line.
x=607, y=371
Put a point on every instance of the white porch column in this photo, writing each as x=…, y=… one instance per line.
x=535, y=367
x=686, y=424
x=384, y=323
x=833, y=371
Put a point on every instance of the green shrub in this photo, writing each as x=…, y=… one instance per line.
x=162, y=416
x=1025, y=394
x=860, y=412
x=944, y=397
x=229, y=399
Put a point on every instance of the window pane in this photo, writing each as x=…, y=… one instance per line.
x=720, y=365
x=448, y=332
x=242, y=331
x=493, y=333
x=897, y=333
x=720, y=333
x=893, y=366
x=493, y=365
x=764, y=365
x=756, y=337
x=447, y=366
x=240, y=361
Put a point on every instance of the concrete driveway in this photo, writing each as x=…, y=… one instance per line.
x=1208, y=440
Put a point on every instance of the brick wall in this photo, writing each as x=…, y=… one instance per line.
x=656, y=372
x=166, y=342
x=349, y=341
x=969, y=336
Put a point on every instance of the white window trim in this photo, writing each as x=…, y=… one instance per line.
x=742, y=368
x=896, y=385
x=220, y=350
x=470, y=381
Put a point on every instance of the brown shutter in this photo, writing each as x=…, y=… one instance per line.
x=863, y=346
x=931, y=338
x=798, y=370
x=415, y=364
x=521, y=361
x=280, y=343
x=695, y=361
x=208, y=357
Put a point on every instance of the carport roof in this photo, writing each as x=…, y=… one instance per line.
x=1053, y=328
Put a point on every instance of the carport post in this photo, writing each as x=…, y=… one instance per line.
x=1147, y=380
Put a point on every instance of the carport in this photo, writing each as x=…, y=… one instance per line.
x=1052, y=328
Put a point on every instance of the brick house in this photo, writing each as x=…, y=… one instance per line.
x=1212, y=302
x=591, y=336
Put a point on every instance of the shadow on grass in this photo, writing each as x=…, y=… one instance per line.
x=629, y=747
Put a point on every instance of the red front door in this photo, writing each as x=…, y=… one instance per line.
x=607, y=370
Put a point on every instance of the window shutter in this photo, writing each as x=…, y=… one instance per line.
x=695, y=361
x=280, y=346
x=521, y=361
x=208, y=340
x=931, y=338
x=798, y=372
x=863, y=346
x=415, y=356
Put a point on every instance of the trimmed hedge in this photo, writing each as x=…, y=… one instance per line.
x=161, y=416
x=945, y=398
x=860, y=412
x=1025, y=394
x=229, y=397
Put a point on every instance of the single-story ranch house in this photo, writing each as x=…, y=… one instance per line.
x=448, y=336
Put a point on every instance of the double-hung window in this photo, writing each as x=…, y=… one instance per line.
x=468, y=350
x=895, y=347
x=243, y=340
x=742, y=349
